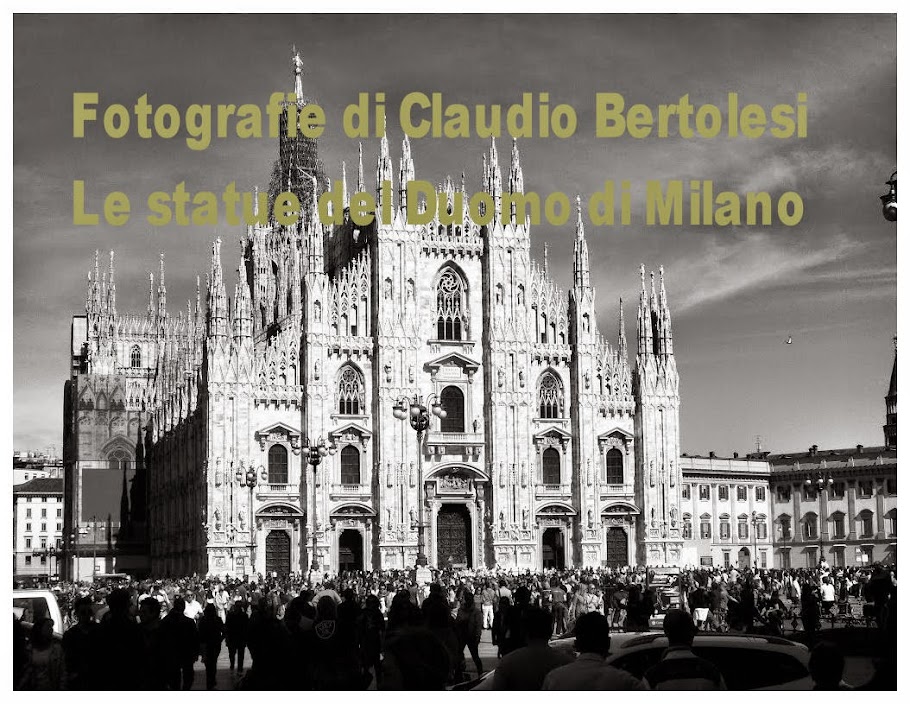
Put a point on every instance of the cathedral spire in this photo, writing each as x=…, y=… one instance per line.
x=666, y=326
x=494, y=181
x=582, y=273
x=383, y=167
x=360, y=185
x=217, y=303
x=162, y=290
x=151, y=308
x=405, y=173
x=111, y=289
x=298, y=74
x=546, y=259
x=345, y=201
x=242, y=324
x=516, y=179
x=623, y=348
x=645, y=333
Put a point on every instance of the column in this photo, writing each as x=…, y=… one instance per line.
x=879, y=509
x=795, y=526
x=822, y=515
x=851, y=509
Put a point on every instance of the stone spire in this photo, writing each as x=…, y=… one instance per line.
x=516, y=179
x=582, y=274
x=494, y=180
x=663, y=315
x=298, y=74
x=151, y=307
x=405, y=173
x=217, y=303
x=623, y=347
x=111, y=289
x=162, y=289
x=645, y=332
x=546, y=259
x=383, y=167
x=345, y=200
x=242, y=324
x=360, y=184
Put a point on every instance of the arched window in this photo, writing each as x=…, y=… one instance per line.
x=837, y=525
x=810, y=527
x=135, y=357
x=550, y=396
x=551, y=469
x=452, y=400
x=784, y=526
x=278, y=464
x=350, y=465
x=119, y=459
x=892, y=523
x=614, y=467
x=865, y=519
x=450, y=307
x=350, y=392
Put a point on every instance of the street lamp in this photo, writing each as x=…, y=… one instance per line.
x=889, y=200
x=755, y=538
x=247, y=477
x=315, y=452
x=821, y=480
x=416, y=412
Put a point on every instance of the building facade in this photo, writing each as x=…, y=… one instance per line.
x=37, y=527
x=555, y=448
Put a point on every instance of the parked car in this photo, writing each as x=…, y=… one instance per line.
x=31, y=604
x=747, y=662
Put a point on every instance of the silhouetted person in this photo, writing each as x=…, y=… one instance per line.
x=155, y=648
x=498, y=630
x=236, y=629
x=211, y=633
x=826, y=665
x=414, y=660
x=680, y=668
x=336, y=661
x=45, y=666
x=372, y=630
x=80, y=645
x=182, y=646
x=121, y=652
x=438, y=619
x=469, y=626
x=525, y=668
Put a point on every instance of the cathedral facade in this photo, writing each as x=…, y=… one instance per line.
x=555, y=448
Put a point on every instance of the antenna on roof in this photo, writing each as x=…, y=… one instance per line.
x=758, y=443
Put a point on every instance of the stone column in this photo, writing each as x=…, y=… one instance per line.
x=880, y=509
x=796, y=523
x=851, y=509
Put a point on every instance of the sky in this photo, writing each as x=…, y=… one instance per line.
x=736, y=293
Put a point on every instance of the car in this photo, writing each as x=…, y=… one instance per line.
x=747, y=662
x=31, y=604
x=773, y=663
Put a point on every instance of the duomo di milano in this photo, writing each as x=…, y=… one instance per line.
x=554, y=449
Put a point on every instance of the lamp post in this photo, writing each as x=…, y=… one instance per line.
x=755, y=539
x=74, y=546
x=247, y=477
x=889, y=200
x=821, y=480
x=315, y=452
x=416, y=412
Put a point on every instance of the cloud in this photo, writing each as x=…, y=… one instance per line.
x=724, y=268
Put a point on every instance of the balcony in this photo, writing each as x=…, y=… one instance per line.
x=270, y=490
x=552, y=491
x=359, y=492
x=439, y=443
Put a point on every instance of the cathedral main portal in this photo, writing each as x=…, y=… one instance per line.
x=453, y=536
x=278, y=552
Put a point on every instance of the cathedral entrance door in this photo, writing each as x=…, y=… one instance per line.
x=278, y=552
x=554, y=549
x=744, y=559
x=453, y=536
x=617, y=548
x=350, y=551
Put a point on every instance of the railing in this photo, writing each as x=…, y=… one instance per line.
x=351, y=488
x=439, y=438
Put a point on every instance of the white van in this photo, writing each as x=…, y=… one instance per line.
x=31, y=604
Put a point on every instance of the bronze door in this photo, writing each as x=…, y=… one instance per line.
x=278, y=552
x=350, y=551
x=453, y=539
x=617, y=548
x=554, y=549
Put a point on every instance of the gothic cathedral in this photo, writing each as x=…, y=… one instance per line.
x=551, y=450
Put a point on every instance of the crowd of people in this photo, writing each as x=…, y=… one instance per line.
x=355, y=629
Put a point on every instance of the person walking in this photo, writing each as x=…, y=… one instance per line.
x=469, y=625
x=211, y=633
x=45, y=665
x=680, y=668
x=526, y=667
x=181, y=643
x=80, y=642
x=236, y=630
